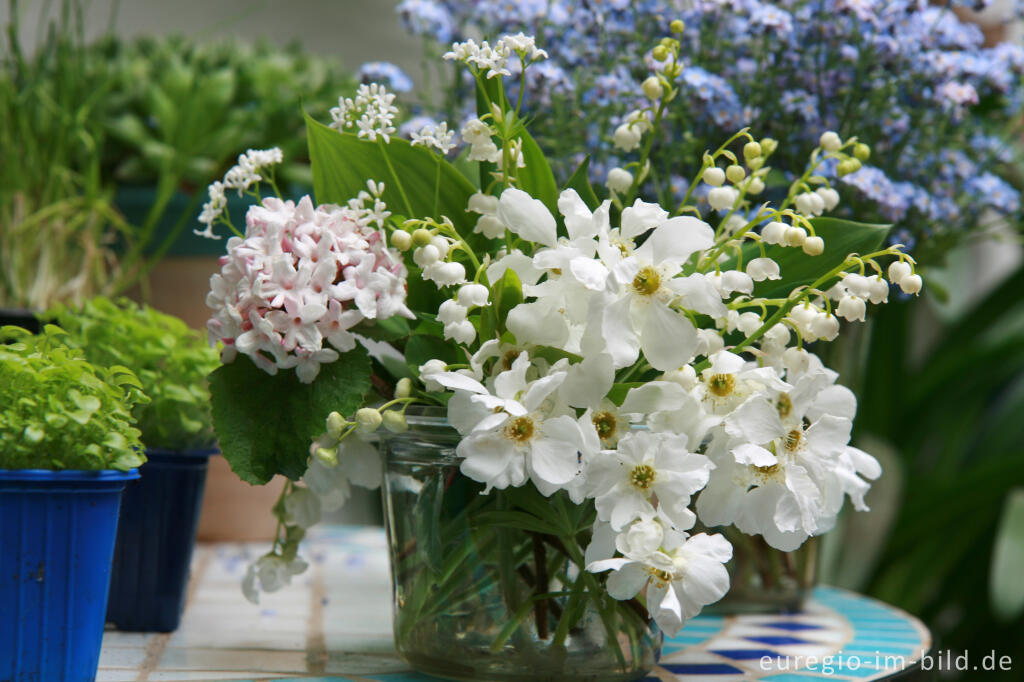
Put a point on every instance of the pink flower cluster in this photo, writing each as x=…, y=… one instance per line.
x=300, y=276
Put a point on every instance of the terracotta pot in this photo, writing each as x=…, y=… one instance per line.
x=233, y=510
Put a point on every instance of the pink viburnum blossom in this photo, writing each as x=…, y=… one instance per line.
x=300, y=279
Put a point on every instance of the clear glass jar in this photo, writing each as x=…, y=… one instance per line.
x=480, y=596
x=763, y=579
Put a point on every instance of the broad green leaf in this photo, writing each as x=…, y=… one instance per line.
x=421, y=348
x=580, y=181
x=430, y=186
x=842, y=238
x=515, y=519
x=537, y=179
x=1006, y=586
x=266, y=423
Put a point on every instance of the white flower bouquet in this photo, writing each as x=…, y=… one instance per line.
x=618, y=372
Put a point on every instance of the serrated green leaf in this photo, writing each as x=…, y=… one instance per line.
x=265, y=423
x=1006, y=588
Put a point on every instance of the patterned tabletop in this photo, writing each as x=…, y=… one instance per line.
x=334, y=623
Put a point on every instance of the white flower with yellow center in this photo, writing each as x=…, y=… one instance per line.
x=680, y=579
x=513, y=433
x=637, y=314
x=647, y=469
x=731, y=380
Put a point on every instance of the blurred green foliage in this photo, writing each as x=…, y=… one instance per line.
x=171, y=361
x=60, y=410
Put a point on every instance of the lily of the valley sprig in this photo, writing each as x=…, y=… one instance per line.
x=647, y=360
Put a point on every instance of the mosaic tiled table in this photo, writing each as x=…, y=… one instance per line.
x=334, y=623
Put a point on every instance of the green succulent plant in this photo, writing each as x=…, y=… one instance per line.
x=170, y=359
x=62, y=412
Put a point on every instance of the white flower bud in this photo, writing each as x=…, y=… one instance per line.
x=851, y=308
x=751, y=150
x=879, y=290
x=335, y=425
x=795, y=236
x=460, y=332
x=814, y=246
x=490, y=227
x=825, y=326
x=749, y=323
x=368, y=419
x=441, y=244
x=858, y=285
x=714, y=176
x=830, y=141
x=911, y=284
x=723, y=198
x=829, y=196
x=642, y=538
x=421, y=237
x=451, y=311
x=627, y=137
x=735, y=174
x=403, y=389
x=394, y=421
x=426, y=255
x=434, y=366
x=898, y=270
x=818, y=203
x=761, y=269
x=619, y=180
x=756, y=186
x=448, y=274
x=329, y=456
x=473, y=295
x=401, y=240
x=709, y=342
x=652, y=88
x=685, y=376
x=777, y=335
x=796, y=360
x=774, y=232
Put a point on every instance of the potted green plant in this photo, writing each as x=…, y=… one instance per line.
x=160, y=513
x=68, y=445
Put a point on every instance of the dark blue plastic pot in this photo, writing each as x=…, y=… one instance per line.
x=57, y=531
x=159, y=519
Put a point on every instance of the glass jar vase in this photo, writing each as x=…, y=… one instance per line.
x=763, y=579
x=490, y=586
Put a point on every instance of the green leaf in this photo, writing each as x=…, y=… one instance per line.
x=421, y=348
x=266, y=423
x=515, y=519
x=842, y=237
x=537, y=179
x=580, y=181
x=342, y=163
x=1006, y=588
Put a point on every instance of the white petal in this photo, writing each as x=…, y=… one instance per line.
x=668, y=338
x=698, y=294
x=863, y=463
x=579, y=221
x=640, y=217
x=591, y=273
x=456, y=381
x=835, y=400
x=537, y=323
x=654, y=396
x=620, y=339
x=756, y=421
x=587, y=382
x=553, y=461
x=627, y=582
x=527, y=217
x=753, y=455
x=676, y=239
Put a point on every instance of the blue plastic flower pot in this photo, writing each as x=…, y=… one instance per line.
x=57, y=532
x=159, y=519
